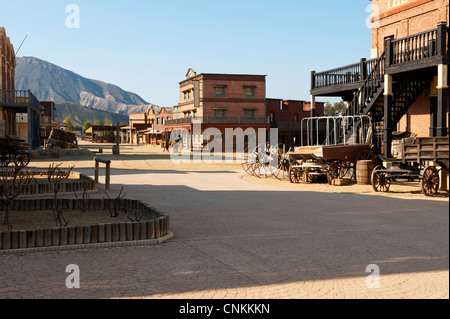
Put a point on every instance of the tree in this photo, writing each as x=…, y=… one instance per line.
x=335, y=109
x=87, y=125
x=123, y=124
x=108, y=122
x=98, y=123
x=69, y=124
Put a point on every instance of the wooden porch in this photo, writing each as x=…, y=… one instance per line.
x=386, y=87
x=14, y=102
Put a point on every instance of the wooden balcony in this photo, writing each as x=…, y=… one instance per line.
x=421, y=51
x=341, y=81
x=19, y=101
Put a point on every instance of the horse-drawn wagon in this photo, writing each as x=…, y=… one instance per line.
x=421, y=160
x=14, y=150
x=331, y=161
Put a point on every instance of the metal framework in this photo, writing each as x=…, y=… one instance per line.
x=335, y=133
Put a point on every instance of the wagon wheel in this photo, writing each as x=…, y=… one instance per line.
x=380, y=182
x=21, y=159
x=284, y=162
x=333, y=172
x=337, y=170
x=5, y=159
x=366, y=155
x=248, y=162
x=295, y=174
x=312, y=179
x=430, y=181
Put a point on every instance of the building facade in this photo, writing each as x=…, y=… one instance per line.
x=287, y=116
x=18, y=109
x=219, y=101
x=406, y=18
x=404, y=86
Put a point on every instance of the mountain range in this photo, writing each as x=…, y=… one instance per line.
x=75, y=96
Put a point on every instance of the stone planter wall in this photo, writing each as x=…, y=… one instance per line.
x=77, y=183
x=154, y=227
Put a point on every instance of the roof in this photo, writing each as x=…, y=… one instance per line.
x=221, y=74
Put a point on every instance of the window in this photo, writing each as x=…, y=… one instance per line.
x=187, y=95
x=157, y=121
x=220, y=113
x=219, y=91
x=249, y=113
x=249, y=91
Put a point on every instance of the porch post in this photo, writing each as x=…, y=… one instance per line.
x=442, y=88
x=313, y=106
x=313, y=114
x=388, y=97
x=30, y=127
x=433, y=107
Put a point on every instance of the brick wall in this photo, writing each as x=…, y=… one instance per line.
x=417, y=119
x=234, y=100
x=401, y=18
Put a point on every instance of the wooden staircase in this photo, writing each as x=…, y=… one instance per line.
x=369, y=99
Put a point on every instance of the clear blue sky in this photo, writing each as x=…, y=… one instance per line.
x=146, y=47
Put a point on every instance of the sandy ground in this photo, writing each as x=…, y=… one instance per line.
x=238, y=237
x=154, y=158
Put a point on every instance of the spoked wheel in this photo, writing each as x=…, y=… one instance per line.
x=248, y=162
x=5, y=159
x=295, y=174
x=430, y=181
x=337, y=170
x=367, y=155
x=333, y=172
x=380, y=182
x=284, y=162
x=22, y=159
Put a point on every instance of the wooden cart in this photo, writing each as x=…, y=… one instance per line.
x=421, y=161
x=332, y=161
x=14, y=150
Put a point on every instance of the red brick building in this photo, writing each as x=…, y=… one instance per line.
x=404, y=86
x=400, y=19
x=287, y=116
x=220, y=101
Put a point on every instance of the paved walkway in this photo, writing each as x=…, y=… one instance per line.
x=236, y=239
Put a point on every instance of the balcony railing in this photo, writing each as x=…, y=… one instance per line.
x=414, y=48
x=344, y=75
x=424, y=46
x=19, y=98
x=226, y=120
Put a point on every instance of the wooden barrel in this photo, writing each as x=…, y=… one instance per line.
x=364, y=171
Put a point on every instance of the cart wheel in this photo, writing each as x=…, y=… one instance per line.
x=295, y=175
x=333, y=172
x=5, y=159
x=21, y=159
x=366, y=155
x=430, y=181
x=380, y=182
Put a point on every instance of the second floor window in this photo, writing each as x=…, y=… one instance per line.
x=220, y=114
x=249, y=114
x=188, y=95
x=219, y=91
x=249, y=91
